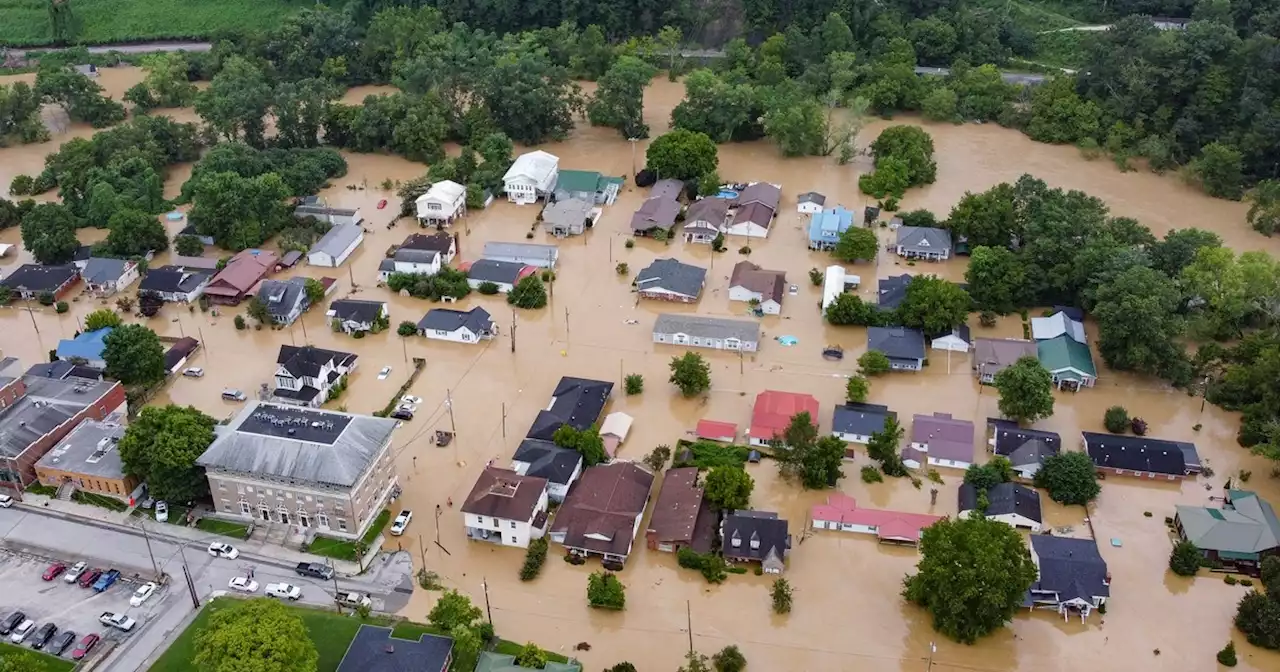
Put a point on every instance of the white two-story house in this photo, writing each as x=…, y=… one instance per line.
x=531, y=176
x=506, y=508
x=420, y=262
x=305, y=376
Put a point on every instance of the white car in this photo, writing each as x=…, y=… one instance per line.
x=284, y=590
x=74, y=573
x=386, y=371
x=354, y=600
x=243, y=584
x=162, y=512
x=193, y=372
x=221, y=550
x=5, y=501
x=401, y=522
x=143, y=592
x=410, y=399
x=20, y=633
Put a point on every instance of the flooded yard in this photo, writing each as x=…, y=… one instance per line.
x=848, y=614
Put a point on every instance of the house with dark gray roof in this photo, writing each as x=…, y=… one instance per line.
x=352, y=315
x=411, y=260
x=892, y=290
x=670, y=280
x=444, y=243
x=470, y=326
x=544, y=459
x=810, y=203
x=1071, y=575
x=305, y=375
x=855, y=422
x=29, y=281
x=504, y=274
x=1012, y=504
x=295, y=454
x=104, y=277
x=577, y=402
x=1240, y=534
x=374, y=649
x=657, y=213
x=175, y=284
x=1025, y=448
x=285, y=299
x=904, y=347
x=923, y=242
x=1141, y=456
x=701, y=331
x=756, y=536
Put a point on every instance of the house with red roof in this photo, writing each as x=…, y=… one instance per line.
x=241, y=274
x=715, y=430
x=773, y=412
x=842, y=513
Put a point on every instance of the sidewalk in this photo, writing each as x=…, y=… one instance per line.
x=271, y=554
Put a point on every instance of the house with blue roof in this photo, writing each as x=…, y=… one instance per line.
x=825, y=227
x=87, y=346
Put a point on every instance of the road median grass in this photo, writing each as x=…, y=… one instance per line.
x=223, y=527
x=44, y=662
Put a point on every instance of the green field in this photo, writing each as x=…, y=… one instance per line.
x=343, y=549
x=26, y=22
x=46, y=662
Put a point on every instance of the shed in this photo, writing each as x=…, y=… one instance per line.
x=614, y=431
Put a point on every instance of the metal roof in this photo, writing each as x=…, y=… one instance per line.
x=707, y=327
x=338, y=239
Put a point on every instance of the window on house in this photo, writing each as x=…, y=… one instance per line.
x=222, y=486
x=342, y=524
x=513, y=524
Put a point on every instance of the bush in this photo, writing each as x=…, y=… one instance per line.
x=874, y=363
x=533, y=559
x=987, y=318
x=529, y=293
x=871, y=475
x=729, y=659
x=712, y=566
x=61, y=307
x=622, y=268
x=630, y=243
x=22, y=185
x=815, y=277
x=1258, y=617
x=488, y=288
x=781, y=594
x=1185, y=559
x=1227, y=656
x=605, y=591
x=634, y=383
x=45, y=298
x=407, y=328
x=1229, y=580
x=239, y=322
x=745, y=249
x=359, y=335
x=1116, y=419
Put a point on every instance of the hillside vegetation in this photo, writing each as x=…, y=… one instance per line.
x=26, y=22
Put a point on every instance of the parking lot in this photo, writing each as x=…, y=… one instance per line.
x=67, y=605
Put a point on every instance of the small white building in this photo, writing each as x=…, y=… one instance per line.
x=702, y=331
x=444, y=202
x=836, y=282
x=335, y=246
x=418, y=262
x=105, y=277
x=506, y=508
x=312, y=207
x=458, y=326
x=749, y=282
x=1009, y=503
x=352, y=315
x=810, y=203
x=957, y=341
x=531, y=177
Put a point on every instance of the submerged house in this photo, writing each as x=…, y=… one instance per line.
x=1026, y=449
x=842, y=513
x=569, y=217
x=923, y=242
x=702, y=331
x=939, y=440
x=601, y=514
x=1071, y=576
x=1240, y=535
x=588, y=186
x=756, y=536
x=1141, y=456
x=705, y=219
x=506, y=508
x=826, y=226
x=904, y=347
x=1009, y=503
x=1069, y=361
x=993, y=355
x=531, y=176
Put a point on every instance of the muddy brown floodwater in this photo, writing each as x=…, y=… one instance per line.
x=848, y=615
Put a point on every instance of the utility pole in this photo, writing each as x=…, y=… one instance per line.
x=186, y=573
x=404, y=345
x=633, y=158
x=448, y=403
x=334, y=573
x=305, y=338
x=933, y=648
x=484, y=583
x=32, y=314
x=422, y=552
x=688, y=612
x=504, y=419
x=146, y=537
x=566, y=325
x=513, y=329
x=203, y=343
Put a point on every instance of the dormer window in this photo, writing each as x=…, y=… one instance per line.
x=737, y=543
x=755, y=542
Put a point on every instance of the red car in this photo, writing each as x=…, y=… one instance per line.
x=54, y=570
x=89, y=577
x=86, y=645
x=382, y=204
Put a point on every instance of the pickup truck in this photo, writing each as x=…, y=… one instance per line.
x=314, y=570
x=104, y=582
x=118, y=621
x=354, y=600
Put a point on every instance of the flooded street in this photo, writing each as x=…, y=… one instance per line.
x=848, y=614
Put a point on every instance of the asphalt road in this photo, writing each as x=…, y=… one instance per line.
x=32, y=533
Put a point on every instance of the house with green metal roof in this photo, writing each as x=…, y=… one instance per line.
x=1238, y=535
x=501, y=662
x=1069, y=361
x=587, y=185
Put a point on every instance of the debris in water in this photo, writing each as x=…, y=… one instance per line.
x=1115, y=541
x=788, y=340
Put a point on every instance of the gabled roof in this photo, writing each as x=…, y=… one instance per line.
x=896, y=342
x=174, y=279
x=583, y=181
x=702, y=326
x=655, y=213
x=411, y=255
x=892, y=290
x=443, y=319
x=446, y=191
x=812, y=197
x=715, y=429
x=282, y=296
x=375, y=650
x=547, y=460
x=536, y=166
x=1136, y=453
x=1002, y=500
x=577, y=402
x=38, y=278
x=673, y=276
x=709, y=209
x=1057, y=324
x=195, y=263
x=993, y=355
x=1246, y=525
x=899, y=525
x=244, y=271
x=861, y=419
x=601, y=509
x=567, y=212
x=947, y=437
x=1063, y=354
x=338, y=239
x=924, y=238
x=773, y=411
x=1072, y=568
x=675, y=514
x=763, y=193
x=667, y=188
x=309, y=360
x=829, y=224
x=1023, y=447
x=764, y=527
x=356, y=310
x=502, y=493
x=104, y=271
x=770, y=284
x=181, y=349
x=88, y=345
x=492, y=270
x=617, y=424
x=502, y=250
x=755, y=213
x=438, y=242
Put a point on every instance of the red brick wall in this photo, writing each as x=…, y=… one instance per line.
x=26, y=462
x=11, y=392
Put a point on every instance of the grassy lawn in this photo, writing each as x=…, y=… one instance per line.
x=511, y=649
x=26, y=22
x=44, y=662
x=223, y=527
x=94, y=499
x=342, y=549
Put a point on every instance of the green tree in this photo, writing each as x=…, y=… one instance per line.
x=531, y=656
x=728, y=487
x=237, y=101
x=161, y=446
x=940, y=105
x=240, y=212
x=729, y=659
x=1116, y=419
x=81, y=97
x=585, y=441
x=1179, y=248
x=1059, y=115
x=986, y=476
x=1264, y=207
x=691, y=373
x=890, y=179
x=1220, y=170
x=258, y=310
x=856, y=243
x=1227, y=656
x=694, y=662
x=972, y=576
x=723, y=111
x=1070, y=477
x=1258, y=617
x=134, y=355
x=883, y=447
x=407, y=328
x=605, y=591
x=796, y=121
x=933, y=305
x=1138, y=321
x=314, y=290
x=453, y=609
x=857, y=389
x=634, y=383
x=529, y=293
x=1026, y=390
x=873, y=363
x=682, y=155
x=49, y=233
x=911, y=145
x=988, y=219
x=62, y=22
x=17, y=660
x=259, y=634
x=781, y=596
x=996, y=279
x=1185, y=559
x=669, y=37
x=1271, y=576
x=619, y=98
x=188, y=246
x=134, y=233
x=466, y=647
x=624, y=666
x=101, y=319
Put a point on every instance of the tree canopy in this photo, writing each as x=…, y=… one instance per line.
x=800, y=452
x=453, y=609
x=134, y=355
x=933, y=305
x=682, y=154
x=1026, y=390
x=619, y=98
x=260, y=634
x=161, y=446
x=691, y=374
x=728, y=487
x=1070, y=478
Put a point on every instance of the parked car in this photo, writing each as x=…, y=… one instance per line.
x=232, y=394
x=162, y=512
x=5, y=501
x=43, y=635
x=354, y=600
x=104, y=582
x=314, y=570
x=11, y=621
x=402, y=414
x=384, y=372
x=75, y=572
x=410, y=400
x=243, y=584
x=401, y=522
x=193, y=372
x=54, y=571
x=221, y=550
x=284, y=590
x=60, y=643
x=89, y=577
x=118, y=621
x=22, y=631
x=143, y=592
x=382, y=203
x=85, y=646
